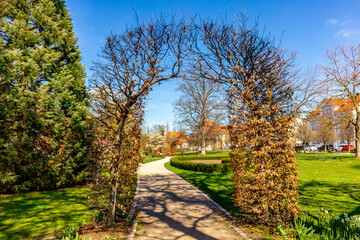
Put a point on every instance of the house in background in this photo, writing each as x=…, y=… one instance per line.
x=216, y=139
x=335, y=109
x=176, y=137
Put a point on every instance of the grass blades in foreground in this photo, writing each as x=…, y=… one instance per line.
x=35, y=215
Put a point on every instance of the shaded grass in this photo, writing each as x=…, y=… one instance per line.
x=35, y=215
x=329, y=181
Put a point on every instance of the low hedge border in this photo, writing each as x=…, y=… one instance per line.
x=184, y=163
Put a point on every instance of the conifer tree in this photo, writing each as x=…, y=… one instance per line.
x=44, y=101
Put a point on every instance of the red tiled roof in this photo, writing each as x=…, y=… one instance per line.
x=337, y=101
x=216, y=128
x=314, y=113
x=172, y=135
x=176, y=135
x=342, y=104
x=347, y=106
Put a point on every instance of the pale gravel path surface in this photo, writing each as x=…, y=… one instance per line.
x=171, y=208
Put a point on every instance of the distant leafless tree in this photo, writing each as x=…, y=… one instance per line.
x=159, y=128
x=303, y=132
x=201, y=101
x=130, y=64
x=307, y=91
x=347, y=132
x=342, y=79
x=325, y=131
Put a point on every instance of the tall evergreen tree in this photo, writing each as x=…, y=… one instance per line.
x=43, y=99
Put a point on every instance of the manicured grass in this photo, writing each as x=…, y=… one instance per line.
x=329, y=181
x=209, y=153
x=148, y=159
x=35, y=215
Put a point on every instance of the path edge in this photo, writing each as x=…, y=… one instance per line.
x=133, y=208
x=228, y=214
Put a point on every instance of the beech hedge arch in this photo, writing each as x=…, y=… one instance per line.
x=257, y=74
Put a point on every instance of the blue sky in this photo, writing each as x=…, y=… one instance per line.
x=306, y=27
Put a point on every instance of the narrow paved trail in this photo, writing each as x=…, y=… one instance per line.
x=171, y=208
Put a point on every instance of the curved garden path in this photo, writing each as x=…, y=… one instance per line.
x=171, y=208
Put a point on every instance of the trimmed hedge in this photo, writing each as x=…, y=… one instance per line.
x=184, y=163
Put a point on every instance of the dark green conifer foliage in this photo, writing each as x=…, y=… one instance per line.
x=44, y=128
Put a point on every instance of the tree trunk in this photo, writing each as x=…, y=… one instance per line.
x=203, y=141
x=112, y=200
x=357, y=142
x=325, y=147
x=304, y=145
x=203, y=146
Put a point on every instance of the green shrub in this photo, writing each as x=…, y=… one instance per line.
x=71, y=233
x=185, y=163
x=184, y=158
x=226, y=160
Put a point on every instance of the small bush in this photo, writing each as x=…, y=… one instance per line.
x=226, y=160
x=184, y=158
x=184, y=163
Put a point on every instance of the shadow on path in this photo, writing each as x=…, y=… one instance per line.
x=170, y=208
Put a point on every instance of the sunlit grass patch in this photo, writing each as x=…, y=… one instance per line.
x=328, y=181
x=38, y=214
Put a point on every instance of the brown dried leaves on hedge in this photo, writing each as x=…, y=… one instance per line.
x=259, y=76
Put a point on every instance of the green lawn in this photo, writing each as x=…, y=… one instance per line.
x=38, y=214
x=148, y=159
x=217, y=185
x=331, y=181
x=209, y=153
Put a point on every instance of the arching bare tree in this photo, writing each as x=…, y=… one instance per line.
x=130, y=64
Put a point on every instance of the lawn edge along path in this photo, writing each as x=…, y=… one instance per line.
x=219, y=213
x=227, y=213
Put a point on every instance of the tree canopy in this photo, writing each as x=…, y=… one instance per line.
x=44, y=127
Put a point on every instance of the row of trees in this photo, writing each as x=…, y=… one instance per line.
x=325, y=131
x=340, y=80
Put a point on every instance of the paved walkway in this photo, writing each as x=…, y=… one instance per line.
x=171, y=208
